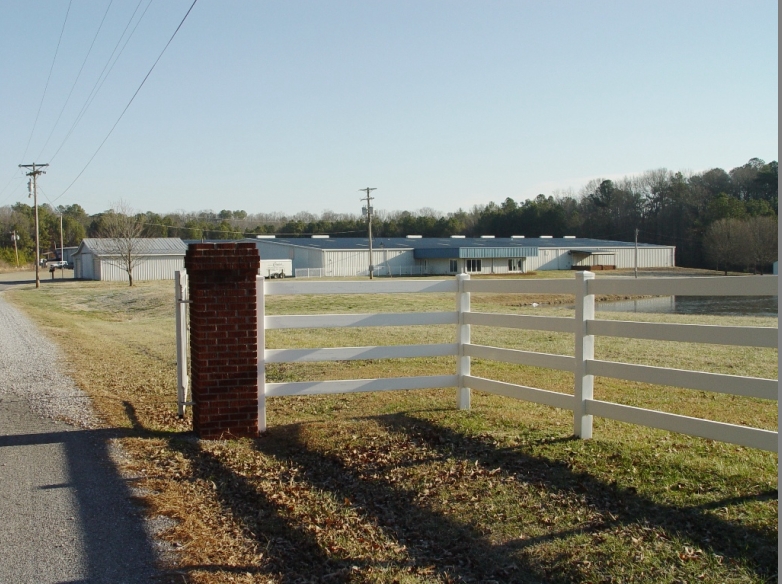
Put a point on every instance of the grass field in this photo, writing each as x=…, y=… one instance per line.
x=402, y=486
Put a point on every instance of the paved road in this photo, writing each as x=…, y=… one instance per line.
x=11, y=279
x=66, y=514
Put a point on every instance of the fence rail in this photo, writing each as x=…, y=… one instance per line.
x=584, y=326
x=744, y=336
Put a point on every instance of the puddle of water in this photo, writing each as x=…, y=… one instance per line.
x=716, y=305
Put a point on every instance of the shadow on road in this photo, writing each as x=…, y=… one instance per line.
x=115, y=544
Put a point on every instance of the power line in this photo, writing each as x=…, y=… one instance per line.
x=101, y=78
x=35, y=123
x=10, y=180
x=131, y=100
x=56, y=51
x=78, y=75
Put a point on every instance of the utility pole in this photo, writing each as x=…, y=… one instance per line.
x=636, y=252
x=62, y=252
x=33, y=186
x=368, y=212
x=16, y=249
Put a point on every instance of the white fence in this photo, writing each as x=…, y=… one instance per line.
x=309, y=273
x=182, y=341
x=584, y=326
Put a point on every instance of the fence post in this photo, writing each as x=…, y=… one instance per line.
x=462, y=339
x=180, y=302
x=260, y=304
x=223, y=336
x=585, y=350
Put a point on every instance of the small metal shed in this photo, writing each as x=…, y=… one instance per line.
x=159, y=258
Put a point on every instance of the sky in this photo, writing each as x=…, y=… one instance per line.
x=289, y=106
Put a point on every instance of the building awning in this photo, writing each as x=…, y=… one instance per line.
x=592, y=252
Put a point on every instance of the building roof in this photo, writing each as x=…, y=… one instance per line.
x=457, y=247
x=146, y=246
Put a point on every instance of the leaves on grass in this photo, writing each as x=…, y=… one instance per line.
x=404, y=488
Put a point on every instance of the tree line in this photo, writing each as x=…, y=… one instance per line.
x=692, y=211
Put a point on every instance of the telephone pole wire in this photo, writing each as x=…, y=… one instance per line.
x=368, y=212
x=35, y=170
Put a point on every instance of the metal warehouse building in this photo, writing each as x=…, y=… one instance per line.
x=324, y=256
x=158, y=259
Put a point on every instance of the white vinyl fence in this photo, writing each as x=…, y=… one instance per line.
x=584, y=327
x=182, y=342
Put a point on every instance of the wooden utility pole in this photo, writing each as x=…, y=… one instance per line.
x=16, y=249
x=368, y=212
x=33, y=185
x=636, y=252
x=62, y=252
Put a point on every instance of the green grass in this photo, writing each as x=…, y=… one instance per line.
x=404, y=487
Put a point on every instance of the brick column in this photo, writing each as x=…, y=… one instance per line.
x=223, y=338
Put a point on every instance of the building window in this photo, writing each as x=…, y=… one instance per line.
x=454, y=266
x=516, y=265
x=473, y=265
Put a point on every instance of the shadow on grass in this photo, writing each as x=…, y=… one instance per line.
x=290, y=550
x=734, y=542
x=445, y=546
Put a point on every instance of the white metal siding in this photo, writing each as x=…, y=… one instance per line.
x=306, y=258
x=355, y=262
x=593, y=260
x=86, y=268
x=275, y=251
x=547, y=259
x=648, y=257
x=391, y=260
x=154, y=268
x=624, y=257
x=440, y=266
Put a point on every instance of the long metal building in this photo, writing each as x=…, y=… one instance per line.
x=158, y=259
x=324, y=256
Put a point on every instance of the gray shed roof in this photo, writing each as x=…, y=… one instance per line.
x=147, y=246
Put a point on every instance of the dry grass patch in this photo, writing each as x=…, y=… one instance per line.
x=402, y=487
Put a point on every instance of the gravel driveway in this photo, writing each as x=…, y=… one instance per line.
x=66, y=511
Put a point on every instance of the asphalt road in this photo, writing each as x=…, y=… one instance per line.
x=66, y=513
x=11, y=279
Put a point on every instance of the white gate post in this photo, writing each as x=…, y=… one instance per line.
x=462, y=339
x=585, y=350
x=180, y=302
x=260, y=308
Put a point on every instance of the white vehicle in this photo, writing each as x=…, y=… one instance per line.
x=276, y=268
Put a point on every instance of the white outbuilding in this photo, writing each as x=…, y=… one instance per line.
x=156, y=258
x=324, y=256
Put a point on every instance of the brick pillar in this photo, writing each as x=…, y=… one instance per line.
x=223, y=338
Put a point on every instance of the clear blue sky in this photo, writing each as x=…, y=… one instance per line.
x=288, y=106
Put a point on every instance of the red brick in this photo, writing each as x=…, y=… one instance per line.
x=223, y=337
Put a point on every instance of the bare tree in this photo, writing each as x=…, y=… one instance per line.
x=762, y=241
x=725, y=242
x=121, y=229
